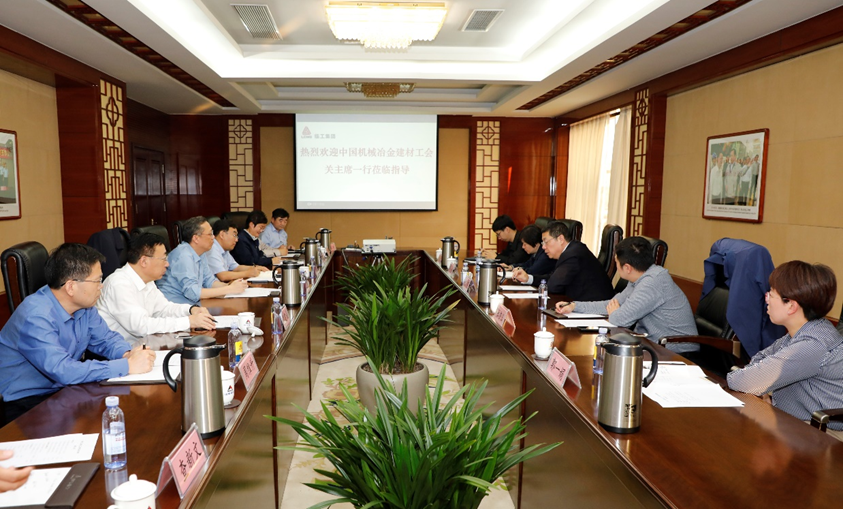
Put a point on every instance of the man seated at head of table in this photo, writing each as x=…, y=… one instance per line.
x=538, y=264
x=188, y=278
x=247, y=251
x=133, y=306
x=803, y=370
x=576, y=274
x=651, y=300
x=42, y=343
x=219, y=258
x=275, y=233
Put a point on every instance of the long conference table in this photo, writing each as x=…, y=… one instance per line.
x=755, y=456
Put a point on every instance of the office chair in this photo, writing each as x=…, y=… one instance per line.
x=157, y=229
x=542, y=222
x=659, y=255
x=212, y=220
x=178, y=227
x=237, y=218
x=612, y=234
x=29, y=259
x=574, y=226
x=114, y=245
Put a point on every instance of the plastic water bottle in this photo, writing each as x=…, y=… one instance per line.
x=235, y=347
x=464, y=275
x=543, y=294
x=277, y=322
x=599, y=352
x=113, y=434
x=478, y=259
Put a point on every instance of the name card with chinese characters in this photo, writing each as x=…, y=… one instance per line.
x=503, y=317
x=248, y=369
x=560, y=368
x=185, y=463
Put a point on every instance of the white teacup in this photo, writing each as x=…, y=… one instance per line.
x=495, y=301
x=227, y=386
x=134, y=494
x=245, y=321
x=452, y=264
x=543, y=343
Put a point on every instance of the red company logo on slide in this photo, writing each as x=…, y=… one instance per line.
x=306, y=133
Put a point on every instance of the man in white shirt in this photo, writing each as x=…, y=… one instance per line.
x=134, y=307
x=219, y=259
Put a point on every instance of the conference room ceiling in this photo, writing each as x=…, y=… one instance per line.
x=533, y=47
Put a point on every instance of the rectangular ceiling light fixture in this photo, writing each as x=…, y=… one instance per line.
x=481, y=20
x=386, y=25
x=258, y=20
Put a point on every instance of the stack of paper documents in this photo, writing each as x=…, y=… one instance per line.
x=251, y=292
x=517, y=288
x=685, y=386
x=263, y=277
x=156, y=376
x=586, y=323
x=524, y=295
x=44, y=451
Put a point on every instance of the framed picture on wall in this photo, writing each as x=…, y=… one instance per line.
x=9, y=181
x=735, y=172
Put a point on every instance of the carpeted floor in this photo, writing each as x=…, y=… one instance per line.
x=338, y=367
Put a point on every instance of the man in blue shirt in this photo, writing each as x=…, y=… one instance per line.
x=43, y=342
x=220, y=261
x=275, y=235
x=188, y=278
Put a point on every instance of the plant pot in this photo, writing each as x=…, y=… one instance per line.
x=417, y=383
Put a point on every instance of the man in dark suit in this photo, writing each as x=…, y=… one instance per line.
x=247, y=250
x=577, y=274
x=504, y=228
x=538, y=264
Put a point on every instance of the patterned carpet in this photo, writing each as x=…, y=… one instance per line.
x=338, y=367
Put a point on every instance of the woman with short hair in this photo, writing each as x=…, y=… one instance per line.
x=803, y=371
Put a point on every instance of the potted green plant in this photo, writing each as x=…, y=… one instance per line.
x=388, y=274
x=390, y=328
x=444, y=456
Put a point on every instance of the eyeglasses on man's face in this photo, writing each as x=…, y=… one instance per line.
x=98, y=281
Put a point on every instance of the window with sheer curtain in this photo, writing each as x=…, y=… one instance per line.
x=598, y=173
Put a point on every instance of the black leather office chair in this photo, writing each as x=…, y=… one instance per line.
x=212, y=220
x=574, y=226
x=659, y=255
x=821, y=418
x=238, y=219
x=542, y=222
x=157, y=229
x=177, y=228
x=612, y=234
x=28, y=259
x=114, y=245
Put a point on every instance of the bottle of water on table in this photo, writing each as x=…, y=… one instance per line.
x=543, y=294
x=113, y=434
x=235, y=347
x=599, y=352
x=277, y=321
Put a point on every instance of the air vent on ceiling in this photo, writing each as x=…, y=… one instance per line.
x=481, y=20
x=258, y=20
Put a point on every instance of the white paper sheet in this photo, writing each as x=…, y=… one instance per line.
x=263, y=277
x=226, y=321
x=517, y=288
x=580, y=316
x=38, y=488
x=521, y=295
x=588, y=323
x=671, y=375
x=46, y=451
x=691, y=396
x=157, y=373
x=251, y=292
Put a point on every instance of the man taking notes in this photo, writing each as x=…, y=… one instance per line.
x=219, y=259
x=275, y=234
x=132, y=305
x=43, y=342
x=247, y=250
x=651, y=301
x=504, y=228
x=188, y=277
x=577, y=273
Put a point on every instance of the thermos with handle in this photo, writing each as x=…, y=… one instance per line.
x=324, y=238
x=311, y=250
x=619, y=409
x=201, y=385
x=488, y=280
x=287, y=277
x=448, y=250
